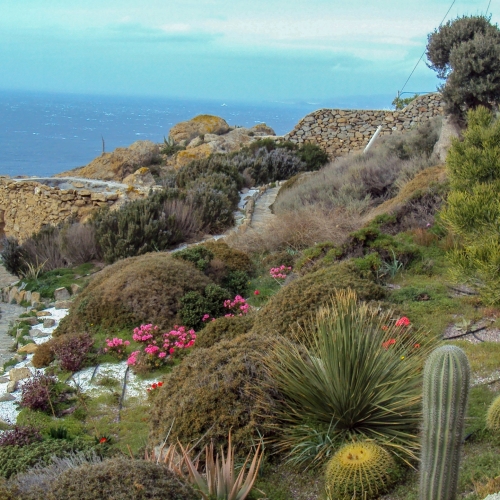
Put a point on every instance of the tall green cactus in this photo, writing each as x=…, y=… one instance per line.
x=446, y=388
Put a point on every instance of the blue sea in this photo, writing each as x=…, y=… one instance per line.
x=42, y=134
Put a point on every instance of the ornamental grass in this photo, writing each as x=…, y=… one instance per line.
x=354, y=372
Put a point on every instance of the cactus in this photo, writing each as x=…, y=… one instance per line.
x=359, y=470
x=446, y=387
x=493, y=415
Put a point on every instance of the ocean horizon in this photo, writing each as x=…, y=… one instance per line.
x=43, y=133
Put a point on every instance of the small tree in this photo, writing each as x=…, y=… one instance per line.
x=466, y=53
x=473, y=207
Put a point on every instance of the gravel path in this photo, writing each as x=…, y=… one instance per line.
x=262, y=211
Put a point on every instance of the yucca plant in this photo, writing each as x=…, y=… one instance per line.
x=220, y=480
x=358, y=375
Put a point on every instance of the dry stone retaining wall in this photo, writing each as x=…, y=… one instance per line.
x=341, y=131
x=26, y=205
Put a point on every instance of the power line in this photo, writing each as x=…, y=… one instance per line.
x=423, y=53
x=489, y=3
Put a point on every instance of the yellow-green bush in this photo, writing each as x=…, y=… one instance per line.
x=235, y=260
x=493, y=415
x=120, y=478
x=145, y=289
x=297, y=302
x=224, y=329
x=212, y=392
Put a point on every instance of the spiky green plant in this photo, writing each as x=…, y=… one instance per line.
x=362, y=470
x=493, y=415
x=446, y=387
x=358, y=375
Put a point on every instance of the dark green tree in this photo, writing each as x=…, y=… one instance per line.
x=466, y=53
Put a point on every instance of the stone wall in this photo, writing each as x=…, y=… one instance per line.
x=341, y=131
x=27, y=205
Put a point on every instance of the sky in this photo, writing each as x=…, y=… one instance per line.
x=258, y=50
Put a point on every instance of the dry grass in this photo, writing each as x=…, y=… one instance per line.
x=298, y=229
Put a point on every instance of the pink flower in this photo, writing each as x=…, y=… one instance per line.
x=256, y=292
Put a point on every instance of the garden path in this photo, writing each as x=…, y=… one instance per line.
x=262, y=211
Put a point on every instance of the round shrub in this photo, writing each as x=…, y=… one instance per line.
x=44, y=355
x=8, y=491
x=212, y=392
x=235, y=260
x=224, y=329
x=492, y=416
x=17, y=459
x=123, y=479
x=288, y=310
x=145, y=289
x=213, y=207
x=359, y=470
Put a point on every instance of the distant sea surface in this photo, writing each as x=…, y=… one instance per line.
x=42, y=134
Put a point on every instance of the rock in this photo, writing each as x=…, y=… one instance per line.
x=28, y=348
x=141, y=177
x=7, y=397
x=36, y=333
x=49, y=322
x=31, y=320
x=238, y=137
x=40, y=314
x=3, y=380
x=188, y=155
x=63, y=304
x=198, y=141
x=118, y=164
x=35, y=299
x=17, y=374
x=61, y=293
x=75, y=289
x=12, y=386
x=449, y=130
x=199, y=125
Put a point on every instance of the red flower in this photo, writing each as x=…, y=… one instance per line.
x=404, y=321
x=103, y=440
x=385, y=327
x=160, y=384
x=256, y=292
x=154, y=386
x=389, y=342
x=416, y=346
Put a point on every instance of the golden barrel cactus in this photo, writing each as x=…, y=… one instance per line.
x=493, y=415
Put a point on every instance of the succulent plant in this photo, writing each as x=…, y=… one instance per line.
x=359, y=470
x=493, y=415
x=446, y=387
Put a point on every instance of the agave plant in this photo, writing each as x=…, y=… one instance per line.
x=358, y=375
x=220, y=480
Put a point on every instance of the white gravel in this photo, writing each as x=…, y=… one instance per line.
x=86, y=380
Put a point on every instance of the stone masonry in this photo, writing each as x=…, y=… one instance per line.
x=341, y=131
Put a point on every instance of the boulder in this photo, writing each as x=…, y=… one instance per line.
x=118, y=164
x=63, y=304
x=39, y=334
x=49, y=323
x=3, y=380
x=75, y=289
x=12, y=386
x=40, y=314
x=30, y=320
x=141, y=177
x=17, y=374
x=7, y=397
x=61, y=294
x=28, y=348
x=188, y=155
x=199, y=125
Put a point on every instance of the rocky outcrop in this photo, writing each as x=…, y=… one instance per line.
x=119, y=164
x=232, y=141
x=341, y=131
x=185, y=132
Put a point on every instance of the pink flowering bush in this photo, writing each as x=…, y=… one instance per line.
x=280, y=272
x=159, y=348
x=117, y=347
x=236, y=307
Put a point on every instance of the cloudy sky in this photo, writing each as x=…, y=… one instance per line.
x=222, y=49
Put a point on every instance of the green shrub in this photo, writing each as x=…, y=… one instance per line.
x=312, y=155
x=13, y=257
x=236, y=282
x=233, y=259
x=145, y=289
x=472, y=208
x=199, y=255
x=194, y=305
x=211, y=393
x=120, y=478
x=158, y=222
x=16, y=459
x=296, y=302
x=354, y=374
x=224, y=329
